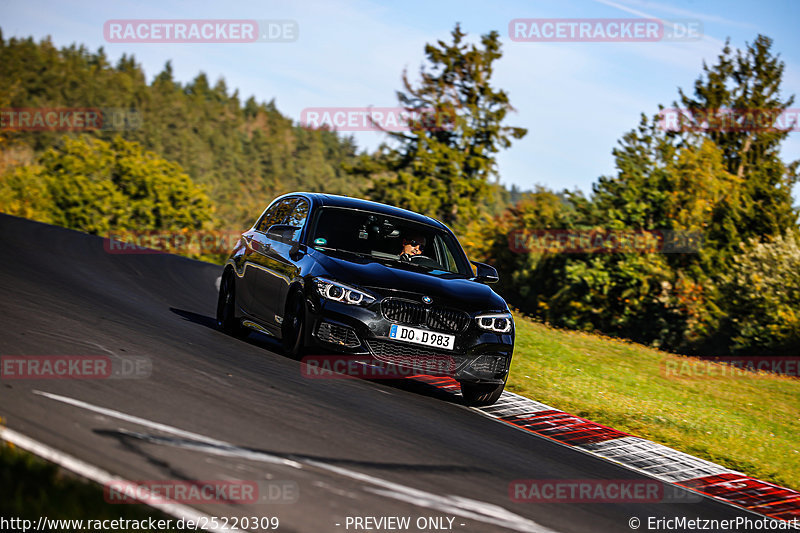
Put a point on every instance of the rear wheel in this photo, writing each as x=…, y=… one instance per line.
x=226, y=308
x=477, y=395
x=293, y=328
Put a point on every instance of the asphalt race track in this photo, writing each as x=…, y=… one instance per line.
x=218, y=408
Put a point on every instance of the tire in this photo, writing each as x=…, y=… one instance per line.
x=294, y=326
x=226, y=308
x=477, y=395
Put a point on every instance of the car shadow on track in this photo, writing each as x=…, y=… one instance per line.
x=273, y=345
x=254, y=338
x=134, y=442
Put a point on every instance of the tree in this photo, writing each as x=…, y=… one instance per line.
x=527, y=279
x=763, y=288
x=23, y=193
x=243, y=153
x=444, y=164
x=729, y=184
x=96, y=186
x=749, y=81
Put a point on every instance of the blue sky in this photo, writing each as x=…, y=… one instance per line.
x=576, y=99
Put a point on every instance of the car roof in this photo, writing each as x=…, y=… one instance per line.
x=334, y=200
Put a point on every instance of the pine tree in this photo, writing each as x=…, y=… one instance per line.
x=444, y=164
x=749, y=81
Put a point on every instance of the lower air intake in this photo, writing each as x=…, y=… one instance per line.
x=422, y=359
x=336, y=334
x=490, y=364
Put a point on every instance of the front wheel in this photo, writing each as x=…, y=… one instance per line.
x=293, y=329
x=477, y=395
x=226, y=308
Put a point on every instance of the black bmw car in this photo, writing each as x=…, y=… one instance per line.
x=328, y=273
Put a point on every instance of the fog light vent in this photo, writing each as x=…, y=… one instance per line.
x=490, y=364
x=336, y=334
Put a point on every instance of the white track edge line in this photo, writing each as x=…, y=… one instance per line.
x=99, y=475
x=522, y=525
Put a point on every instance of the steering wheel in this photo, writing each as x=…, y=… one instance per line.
x=424, y=260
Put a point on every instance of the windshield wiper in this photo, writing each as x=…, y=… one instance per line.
x=374, y=257
x=328, y=248
x=405, y=263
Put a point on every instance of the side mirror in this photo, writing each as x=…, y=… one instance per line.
x=281, y=232
x=486, y=273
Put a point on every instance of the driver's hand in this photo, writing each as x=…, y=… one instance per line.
x=405, y=257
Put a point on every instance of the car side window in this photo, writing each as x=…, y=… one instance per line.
x=298, y=217
x=276, y=214
x=268, y=215
x=449, y=260
x=284, y=210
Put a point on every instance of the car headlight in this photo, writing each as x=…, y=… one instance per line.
x=497, y=322
x=339, y=292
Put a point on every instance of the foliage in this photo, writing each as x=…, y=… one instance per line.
x=522, y=275
x=728, y=186
x=34, y=488
x=24, y=193
x=763, y=289
x=749, y=79
x=96, y=186
x=443, y=165
x=244, y=153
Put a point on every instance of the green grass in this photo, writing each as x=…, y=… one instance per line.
x=745, y=421
x=32, y=487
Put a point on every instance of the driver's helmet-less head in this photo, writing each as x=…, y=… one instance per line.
x=412, y=244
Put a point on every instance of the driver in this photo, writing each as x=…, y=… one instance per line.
x=412, y=245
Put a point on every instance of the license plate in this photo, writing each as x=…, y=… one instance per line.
x=422, y=336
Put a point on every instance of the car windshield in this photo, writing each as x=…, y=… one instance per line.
x=389, y=239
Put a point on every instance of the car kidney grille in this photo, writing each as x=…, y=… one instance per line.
x=415, y=314
x=447, y=319
x=404, y=312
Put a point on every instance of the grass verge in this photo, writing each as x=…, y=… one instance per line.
x=33, y=487
x=743, y=420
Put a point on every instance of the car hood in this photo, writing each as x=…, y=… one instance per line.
x=443, y=287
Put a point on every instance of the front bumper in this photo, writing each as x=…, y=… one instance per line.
x=478, y=356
